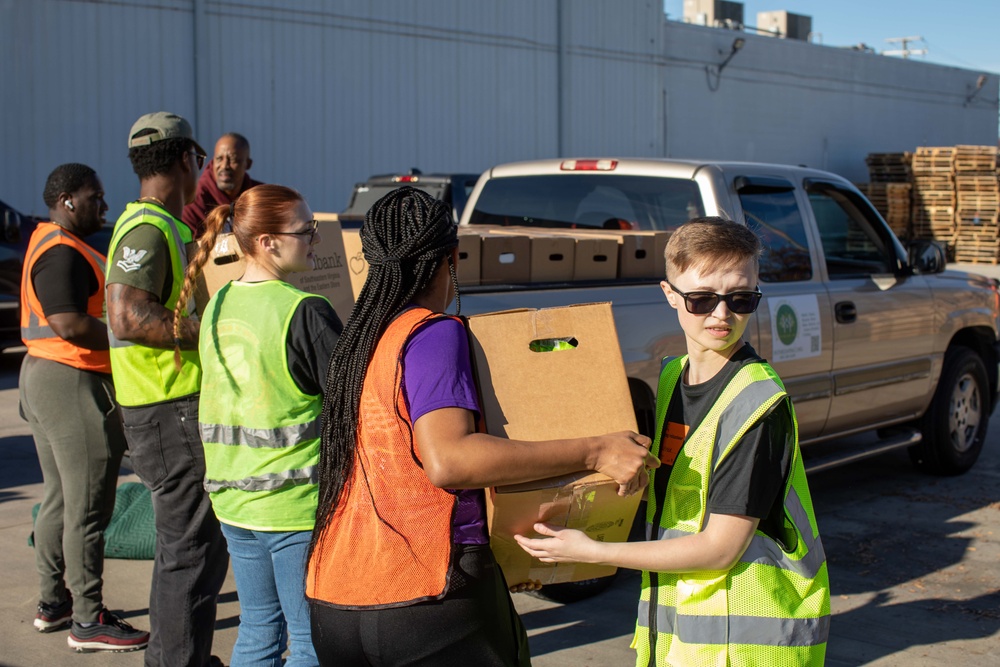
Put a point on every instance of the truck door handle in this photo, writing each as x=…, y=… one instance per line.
x=845, y=312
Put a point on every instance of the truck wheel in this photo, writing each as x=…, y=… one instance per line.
x=575, y=591
x=954, y=427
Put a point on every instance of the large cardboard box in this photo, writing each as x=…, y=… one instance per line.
x=563, y=393
x=329, y=278
x=504, y=258
x=470, y=253
x=357, y=265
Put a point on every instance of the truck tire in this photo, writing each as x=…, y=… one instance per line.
x=575, y=591
x=954, y=427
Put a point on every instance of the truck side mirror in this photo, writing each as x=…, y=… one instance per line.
x=11, y=226
x=927, y=256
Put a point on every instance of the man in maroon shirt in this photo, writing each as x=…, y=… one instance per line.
x=223, y=180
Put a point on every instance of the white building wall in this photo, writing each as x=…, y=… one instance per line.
x=788, y=101
x=331, y=91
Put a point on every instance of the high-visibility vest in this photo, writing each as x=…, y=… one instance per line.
x=260, y=431
x=389, y=542
x=38, y=336
x=773, y=606
x=146, y=375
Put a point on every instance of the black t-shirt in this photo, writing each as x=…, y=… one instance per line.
x=63, y=280
x=312, y=335
x=750, y=480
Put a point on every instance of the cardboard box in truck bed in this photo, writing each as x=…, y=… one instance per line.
x=580, y=390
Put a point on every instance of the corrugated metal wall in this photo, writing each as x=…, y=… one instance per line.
x=330, y=91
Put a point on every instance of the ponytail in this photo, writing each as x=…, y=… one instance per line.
x=214, y=221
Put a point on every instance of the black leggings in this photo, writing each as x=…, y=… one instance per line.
x=475, y=624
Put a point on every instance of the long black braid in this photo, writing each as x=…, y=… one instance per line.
x=405, y=237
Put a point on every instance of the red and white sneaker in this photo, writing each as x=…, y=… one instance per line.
x=110, y=633
x=50, y=618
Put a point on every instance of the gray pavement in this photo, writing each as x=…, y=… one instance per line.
x=914, y=567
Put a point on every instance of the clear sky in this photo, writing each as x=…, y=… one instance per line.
x=960, y=33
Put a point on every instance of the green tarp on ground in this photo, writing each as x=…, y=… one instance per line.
x=131, y=534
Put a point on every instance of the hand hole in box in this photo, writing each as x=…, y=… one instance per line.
x=640, y=254
x=507, y=258
x=553, y=344
x=556, y=257
x=226, y=259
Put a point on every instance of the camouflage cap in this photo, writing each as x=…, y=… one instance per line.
x=160, y=125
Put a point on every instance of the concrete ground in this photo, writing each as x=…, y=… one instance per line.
x=913, y=566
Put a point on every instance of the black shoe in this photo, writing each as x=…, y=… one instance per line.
x=49, y=618
x=110, y=633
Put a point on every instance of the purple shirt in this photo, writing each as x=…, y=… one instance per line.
x=437, y=373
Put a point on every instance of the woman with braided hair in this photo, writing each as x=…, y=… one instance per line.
x=400, y=568
x=264, y=348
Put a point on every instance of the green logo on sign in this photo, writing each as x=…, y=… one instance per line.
x=787, y=324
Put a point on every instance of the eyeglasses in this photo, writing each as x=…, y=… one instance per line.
x=311, y=232
x=703, y=303
x=199, y=157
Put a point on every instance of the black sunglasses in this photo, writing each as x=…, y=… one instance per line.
x=199, y=157
x=703, y=303
x=311, y=232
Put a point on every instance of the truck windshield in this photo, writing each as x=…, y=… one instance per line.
x=593, y=200
x=366, y=195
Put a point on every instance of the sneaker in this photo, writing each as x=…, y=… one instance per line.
x=49, y=618
x=110, y=633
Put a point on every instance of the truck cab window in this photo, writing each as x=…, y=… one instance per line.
x=588, y=201
x=775, y=217
x=851, y=246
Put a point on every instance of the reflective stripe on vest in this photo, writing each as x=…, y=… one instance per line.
x=41, y=340
x=702, y=629
x=269, y=482
x=145, y=375
x=259, y=430
x=274, y=438
x=702, y=618
x=389, y=542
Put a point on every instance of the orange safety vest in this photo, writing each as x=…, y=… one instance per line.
x=36, y=333
x=389, y=542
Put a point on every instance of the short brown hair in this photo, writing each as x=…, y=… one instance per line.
x=711, y=240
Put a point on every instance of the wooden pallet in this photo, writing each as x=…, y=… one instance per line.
x=976, y=219
x=976, y=158
x=983, y=234
x=933, y=182
x=983, y=201
x=934, y=198
x=934, y=160
x=977, y=183
x=977, y=254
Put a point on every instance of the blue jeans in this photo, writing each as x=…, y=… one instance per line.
x=191, y=560
x=270, y=570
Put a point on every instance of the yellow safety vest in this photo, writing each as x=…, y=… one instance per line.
x=773, y=606
x=260, y=431
x=146, y=375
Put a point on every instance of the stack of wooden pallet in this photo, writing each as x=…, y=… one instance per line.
x=888, y=189
x=977, y=218
x=933, y=194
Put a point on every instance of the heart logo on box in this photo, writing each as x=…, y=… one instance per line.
x=358, y=264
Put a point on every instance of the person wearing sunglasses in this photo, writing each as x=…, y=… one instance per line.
x=264, y=348
x=159, y=398
x=224, y=179
x=733, y=569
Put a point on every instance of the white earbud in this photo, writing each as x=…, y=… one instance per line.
x=68, y=204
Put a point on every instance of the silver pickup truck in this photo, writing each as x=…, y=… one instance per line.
x=870, y=337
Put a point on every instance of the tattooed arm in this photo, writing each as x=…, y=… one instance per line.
x=137, y=316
